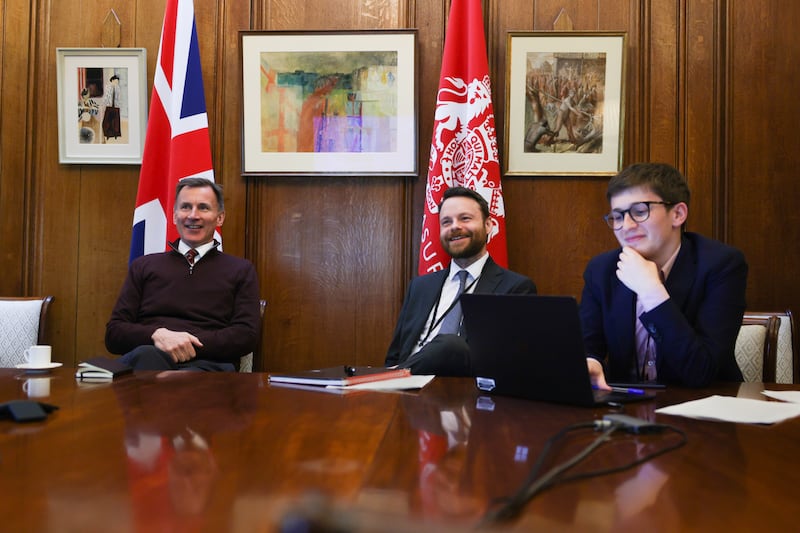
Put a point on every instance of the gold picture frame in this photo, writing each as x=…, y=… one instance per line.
x=565, y=103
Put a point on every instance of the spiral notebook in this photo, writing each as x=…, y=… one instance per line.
x=531, y=347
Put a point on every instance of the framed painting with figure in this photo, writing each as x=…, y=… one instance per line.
x=102, y=104
x=329, y=102
x=564, y=103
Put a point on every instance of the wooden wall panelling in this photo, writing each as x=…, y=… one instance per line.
x=225, y=105
x=103, y=247
x=56, y=218
x=329, y=250
x=628, y=17
x=660, y=44
x=330, y=264
x=701, y=111
x=325, y=15
x=557, y=228
x=15, y=135
x=763, y=217
x=637, y=131
x=408, y=262
x=585, y=14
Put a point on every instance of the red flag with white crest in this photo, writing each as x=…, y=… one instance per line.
x=464, y=145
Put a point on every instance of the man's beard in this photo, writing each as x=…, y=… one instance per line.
x=476, y=244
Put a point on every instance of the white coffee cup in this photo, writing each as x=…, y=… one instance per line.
x=38, y=356
x=37, y=387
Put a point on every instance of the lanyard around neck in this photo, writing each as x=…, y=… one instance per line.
x=435, y=322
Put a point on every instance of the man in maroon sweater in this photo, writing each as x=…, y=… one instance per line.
x=193, y=307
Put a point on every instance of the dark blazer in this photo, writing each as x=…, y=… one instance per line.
x=694, y=330
x=423, y=294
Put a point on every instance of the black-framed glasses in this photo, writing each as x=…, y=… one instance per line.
x=639, y=212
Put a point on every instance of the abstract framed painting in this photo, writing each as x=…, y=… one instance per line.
x=329, y=103
x=565, y=103
x=102, y=105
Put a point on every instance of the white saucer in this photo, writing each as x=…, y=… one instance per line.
x=28, y=366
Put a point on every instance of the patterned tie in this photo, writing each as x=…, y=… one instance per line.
x=451, y=323
x=190, y=255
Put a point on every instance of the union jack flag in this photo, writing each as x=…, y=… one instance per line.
x=177, y=143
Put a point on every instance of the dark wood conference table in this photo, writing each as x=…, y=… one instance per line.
x=230, y=452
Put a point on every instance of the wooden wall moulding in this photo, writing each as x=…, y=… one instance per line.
x=112, y=30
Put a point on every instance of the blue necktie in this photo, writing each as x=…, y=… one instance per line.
x=452, y=320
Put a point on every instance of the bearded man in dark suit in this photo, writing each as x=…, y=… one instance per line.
x=422, y=340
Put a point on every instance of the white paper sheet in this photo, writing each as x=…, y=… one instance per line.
x=784, y=395
x=730, y=409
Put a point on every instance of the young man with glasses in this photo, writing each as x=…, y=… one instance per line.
x=668, y=304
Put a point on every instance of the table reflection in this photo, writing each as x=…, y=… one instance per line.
x=442, y=427
x=169, y=443
x=229, y=452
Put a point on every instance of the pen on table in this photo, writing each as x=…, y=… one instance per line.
x=627, y=390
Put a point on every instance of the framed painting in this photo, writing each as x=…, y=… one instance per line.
x=102, y=105
x=329, y=103
x=565, y=103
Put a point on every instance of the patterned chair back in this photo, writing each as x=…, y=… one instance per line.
x=767, y=348
x=22, y=322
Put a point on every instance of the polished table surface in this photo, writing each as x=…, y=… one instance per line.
x=230, y=452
